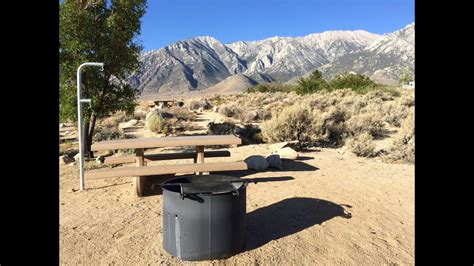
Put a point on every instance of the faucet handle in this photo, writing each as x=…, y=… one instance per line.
x=89, y=101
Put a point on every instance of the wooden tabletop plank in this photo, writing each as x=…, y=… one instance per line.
x=143, y=143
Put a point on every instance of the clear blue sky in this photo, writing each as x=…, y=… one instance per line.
x=168, y=21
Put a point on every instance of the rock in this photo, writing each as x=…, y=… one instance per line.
x=200, y=110
x=215, y=109
x=281, y=145
x=72, y=164
x=63, y=160
x=287, y=153
x=274, y=161
x=256, y=162
x=133, y=122
x=128, y=124
x=61, y=125
x=278, y=145
x=76, y=157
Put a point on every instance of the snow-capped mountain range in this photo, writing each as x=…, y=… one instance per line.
x=202, y=62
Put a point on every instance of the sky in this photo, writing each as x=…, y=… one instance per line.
x=168, y=21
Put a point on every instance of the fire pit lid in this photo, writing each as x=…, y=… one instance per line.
x=204, y=184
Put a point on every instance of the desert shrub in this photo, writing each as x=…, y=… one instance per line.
x=120, y=117
x=225, y=128
x=395, y=113
x=407, y=99
x=139, y=114
x=365, y=123
x=362, y=145
x=330, y=126
x=403, y=146
x=264, y=114
x=107, y=133
x=156, y=123
x=356, y=82
x=271, y=87
x=181, y=113
x=293, y=123
x=231, y=110
x=249, y=134
x=203, y=103
x=313, y=83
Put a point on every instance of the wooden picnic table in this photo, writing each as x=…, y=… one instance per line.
x=141, y=170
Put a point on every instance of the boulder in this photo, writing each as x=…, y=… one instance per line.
x=76, y=157
x=274, y=161
x=287, y=153
x=65, y=159
x=200, y=110
x=215, y=109
x=256, y=162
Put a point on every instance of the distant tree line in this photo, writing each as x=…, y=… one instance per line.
x=315, y=82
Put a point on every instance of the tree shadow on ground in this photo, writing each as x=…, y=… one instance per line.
x=288, y=217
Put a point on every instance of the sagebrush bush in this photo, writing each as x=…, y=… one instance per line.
x=181, y=113
x=225, y=128
x=362, y=145
x=365, y=123
x=395, y=113
x=203, y=103
x=156, y=123
x=329, y=127
x=403, y=146
x=107, y=133
x=231, y=110
x=293, y=123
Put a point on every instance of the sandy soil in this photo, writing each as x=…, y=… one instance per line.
x=338, y=209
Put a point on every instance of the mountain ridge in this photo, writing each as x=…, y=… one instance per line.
x=202, y=62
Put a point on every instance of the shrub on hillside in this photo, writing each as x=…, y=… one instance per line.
x=293, y=123
x=311, y=84
x=231, y=110
x=270, y=87
x=225, y=128
x=355, y=82
x=107, y=133
x=180, y=113
x=403, y=147
x=362, y=145
x=365, y=123
x=330, y=126
x=156, y=123
x=196, y=104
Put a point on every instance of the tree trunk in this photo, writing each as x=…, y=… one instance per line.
x=90, y=133
x=87, y=139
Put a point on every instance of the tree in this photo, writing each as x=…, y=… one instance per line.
x=313, y=83
x=355, y=82
x=98, y=31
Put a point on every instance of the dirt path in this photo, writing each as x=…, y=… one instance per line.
x=338, y=209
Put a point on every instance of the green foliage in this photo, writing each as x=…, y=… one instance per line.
x=271, y=87
x=98, y=31
x=156, y=123
x=356, y=82
x=313, y=83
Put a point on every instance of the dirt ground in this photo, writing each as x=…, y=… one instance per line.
x=338, y=209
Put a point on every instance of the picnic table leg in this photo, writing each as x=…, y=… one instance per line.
x=199, y=156
x=139, y=181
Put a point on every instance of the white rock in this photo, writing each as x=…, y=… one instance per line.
x=287, y=153
x=279, y=145
x=256, y=162
x=76, y=157
x=215, y=109
x=274, y=161
x=200, y=110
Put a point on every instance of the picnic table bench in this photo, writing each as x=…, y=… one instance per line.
x=141, y=170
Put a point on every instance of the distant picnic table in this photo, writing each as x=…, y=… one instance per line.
x=141, y=170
